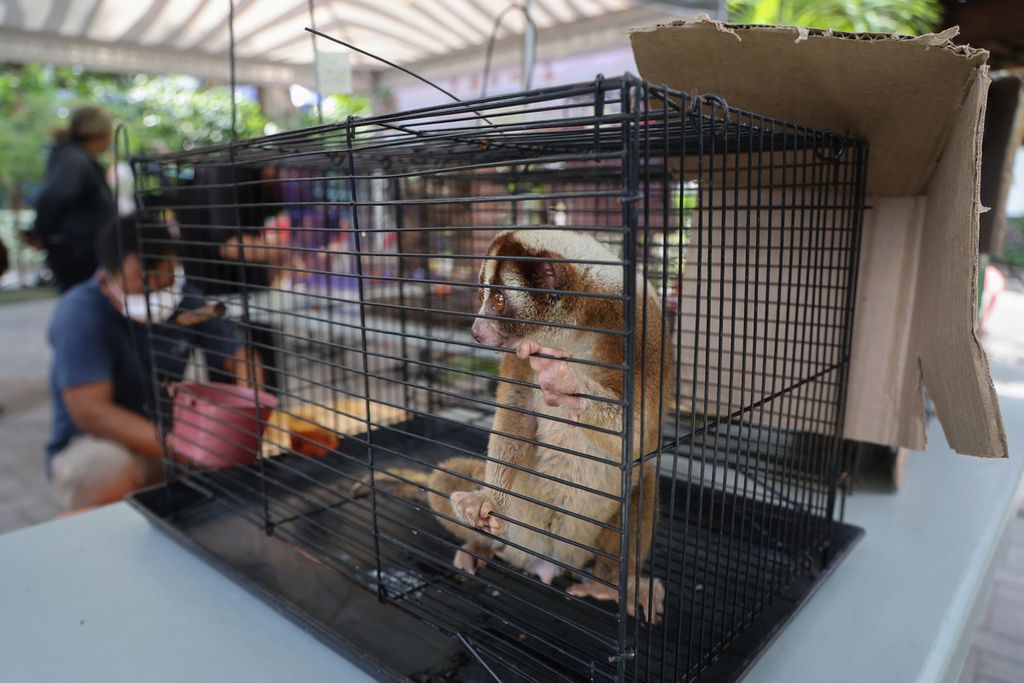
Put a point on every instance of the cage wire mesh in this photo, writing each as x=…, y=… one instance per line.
x=702, y=470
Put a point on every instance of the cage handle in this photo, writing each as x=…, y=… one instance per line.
x=835, y=142
x=713, y=101
x=719, y=101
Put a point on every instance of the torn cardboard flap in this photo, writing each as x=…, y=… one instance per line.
x=881, y=89
x=919, y=102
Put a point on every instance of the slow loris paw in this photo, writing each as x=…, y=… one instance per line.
x=546, y=571
x=592, y=589
x=475, y=509
x=651, y=592
x=557, y=380
x=651, y=599
x=469, y=563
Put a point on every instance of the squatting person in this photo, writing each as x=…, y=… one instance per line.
x=104, y=441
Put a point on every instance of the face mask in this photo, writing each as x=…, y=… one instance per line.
x=162, y=304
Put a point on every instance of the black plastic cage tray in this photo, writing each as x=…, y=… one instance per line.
x=220, y=516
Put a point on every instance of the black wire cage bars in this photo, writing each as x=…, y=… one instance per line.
x=560, y=373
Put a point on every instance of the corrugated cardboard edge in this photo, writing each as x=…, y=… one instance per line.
x=953, y=362
x=825, y=79
x=942, y=39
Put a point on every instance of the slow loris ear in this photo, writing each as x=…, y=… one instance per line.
x=549, y=275
x=553, y=275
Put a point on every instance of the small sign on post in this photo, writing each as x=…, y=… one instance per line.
x=334, y=73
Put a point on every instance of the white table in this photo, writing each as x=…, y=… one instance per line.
x=103, y=596
x=904, y=604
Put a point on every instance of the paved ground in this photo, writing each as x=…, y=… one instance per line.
x=25, y=497
x=997, y=655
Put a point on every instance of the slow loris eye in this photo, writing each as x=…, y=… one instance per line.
x=499, y=301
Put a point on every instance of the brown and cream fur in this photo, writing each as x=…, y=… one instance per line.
x=521, y=320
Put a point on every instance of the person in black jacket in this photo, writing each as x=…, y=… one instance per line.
x=75, y=201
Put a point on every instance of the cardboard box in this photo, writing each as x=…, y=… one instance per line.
x=920, y=103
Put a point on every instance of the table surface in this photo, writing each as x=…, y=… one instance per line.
x=104, y=596
x=904, y=604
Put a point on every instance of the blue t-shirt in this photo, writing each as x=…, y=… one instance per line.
x=93, y=342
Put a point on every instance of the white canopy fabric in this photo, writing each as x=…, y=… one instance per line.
x=192, y=36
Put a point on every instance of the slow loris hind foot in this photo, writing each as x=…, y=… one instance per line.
x=651, y=593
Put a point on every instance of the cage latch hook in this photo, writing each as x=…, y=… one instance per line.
x=694, y=101
x=718, y=128
x=719, y=101
x=833, y=148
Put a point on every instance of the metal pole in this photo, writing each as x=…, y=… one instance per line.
x=529, y=46
x=316, y=67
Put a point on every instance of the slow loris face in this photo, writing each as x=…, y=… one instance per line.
x=508, y=314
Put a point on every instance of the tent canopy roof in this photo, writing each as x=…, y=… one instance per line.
x=192, y=36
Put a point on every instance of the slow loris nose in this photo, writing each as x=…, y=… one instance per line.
x=476, y=330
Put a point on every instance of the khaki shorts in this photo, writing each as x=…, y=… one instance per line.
x=92, y=471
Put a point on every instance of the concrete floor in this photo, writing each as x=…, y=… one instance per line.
x=997, y=654
x=25, y=497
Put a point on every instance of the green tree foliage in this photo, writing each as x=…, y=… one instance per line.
x=26, y=116
x=1013, y=245
x=161, y=113
x=336, y=108
x=911, y=17
x=176, y=113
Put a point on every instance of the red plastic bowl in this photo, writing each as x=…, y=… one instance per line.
x=219, y=425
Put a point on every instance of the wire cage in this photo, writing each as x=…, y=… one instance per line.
x=641, y=497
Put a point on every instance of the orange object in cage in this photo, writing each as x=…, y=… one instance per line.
x=312, y=439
